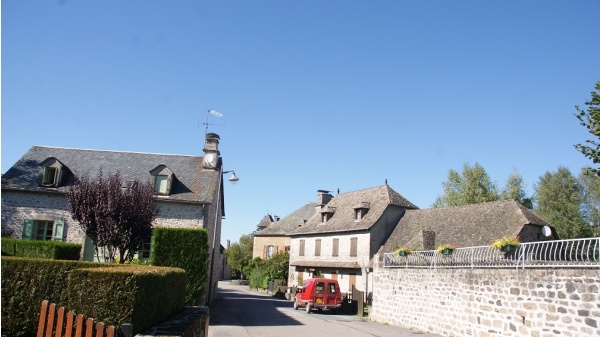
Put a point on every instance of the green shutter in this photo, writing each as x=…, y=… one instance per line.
x=27, y=229
x=57, y=232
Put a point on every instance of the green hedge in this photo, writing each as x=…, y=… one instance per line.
x=56, y=250
x=187, y=249
x=27, y=282
x=141, y=295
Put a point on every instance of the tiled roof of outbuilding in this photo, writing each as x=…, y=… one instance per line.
x=462, y=226
x=265, y=222
x=377, y=198
x=290, y=222
x=191, y=184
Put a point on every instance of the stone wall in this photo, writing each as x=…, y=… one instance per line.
x=489, y=302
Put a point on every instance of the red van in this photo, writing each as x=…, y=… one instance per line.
x=319, y=293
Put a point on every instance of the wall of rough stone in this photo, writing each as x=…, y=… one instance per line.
x=489, y=302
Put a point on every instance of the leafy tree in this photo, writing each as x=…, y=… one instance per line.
x=240, y=254
x=473, y=186
x=117, y=219
x=515, y=190
x=262, y=271
x=558, y=198
x=279, y=266
x=590, y=207
x=590, y=118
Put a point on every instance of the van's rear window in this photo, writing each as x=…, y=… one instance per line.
x=320, y=287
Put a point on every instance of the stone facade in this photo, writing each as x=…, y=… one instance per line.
x=328, y=262
x=279, y=244
x=18, y=206
x=489, y=302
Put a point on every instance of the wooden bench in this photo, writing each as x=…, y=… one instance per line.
x=54, y=323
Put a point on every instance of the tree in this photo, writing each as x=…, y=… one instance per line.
x=590, y=118
x=515, y=190
x=558, y=198
x=590, y=207
x=239, y=254
x=117, y=217
x=473, y=186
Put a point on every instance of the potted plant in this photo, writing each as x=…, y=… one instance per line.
x=402, y=251
x=506, y=243
x=446, y=249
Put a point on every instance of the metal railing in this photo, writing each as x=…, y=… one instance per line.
x=557, y=254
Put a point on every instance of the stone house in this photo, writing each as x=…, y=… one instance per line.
x=340, y=239
x=468, y=226
x=189, y=192
x=274, y=237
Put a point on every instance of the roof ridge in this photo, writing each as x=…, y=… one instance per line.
x=114, y=151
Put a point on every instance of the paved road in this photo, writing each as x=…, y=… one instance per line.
x=240, y=312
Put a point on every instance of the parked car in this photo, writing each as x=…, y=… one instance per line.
x=319, y=293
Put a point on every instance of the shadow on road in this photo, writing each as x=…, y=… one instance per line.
x=237, y=306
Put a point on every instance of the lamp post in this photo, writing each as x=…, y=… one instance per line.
x=234, y=179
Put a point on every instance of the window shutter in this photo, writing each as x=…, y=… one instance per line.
x=276, y=249
x=27, y=229
x=57, y=177
x=57, y=232
x=264, y=251
x=169, y=184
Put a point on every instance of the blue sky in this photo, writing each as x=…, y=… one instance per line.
x=314, y=94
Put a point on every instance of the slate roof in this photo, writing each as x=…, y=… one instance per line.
x=290, y=222
x=462, y=226
x=191, y=184
x=265, y=222
x=343, y=219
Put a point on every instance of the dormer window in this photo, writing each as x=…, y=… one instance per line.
x=163, y=179
x=52, y=172
x=361, y=210
x=327, y=213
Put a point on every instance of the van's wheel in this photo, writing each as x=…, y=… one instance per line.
x=308, y=307
x=295, y=305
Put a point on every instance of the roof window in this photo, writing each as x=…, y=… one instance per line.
x=163, y=179
x=53, y=172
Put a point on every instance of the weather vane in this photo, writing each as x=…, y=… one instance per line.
x=214, y=113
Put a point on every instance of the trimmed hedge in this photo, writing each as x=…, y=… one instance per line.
x=187, y=249
x=56, y=250
x=141, y=295
x=27, y=282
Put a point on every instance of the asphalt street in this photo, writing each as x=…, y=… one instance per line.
x=240, y=312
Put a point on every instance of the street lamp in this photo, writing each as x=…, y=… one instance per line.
x=234, y=179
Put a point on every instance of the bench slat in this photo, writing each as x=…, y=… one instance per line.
x=52, y=324
x=42, y=320
x=60, y=320
x=70, y=318
x=50, y=320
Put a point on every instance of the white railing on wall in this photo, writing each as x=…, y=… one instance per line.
x=559, y=253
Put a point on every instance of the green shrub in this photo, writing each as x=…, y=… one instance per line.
x=141, y=295
x=187, y=249
x=56, y=250
x=112, y=293
x=26, y=283
x=259, y=278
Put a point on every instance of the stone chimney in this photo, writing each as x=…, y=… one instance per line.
x=212, y=142
x=210, y=160
x=323, y=197
x=428, y=240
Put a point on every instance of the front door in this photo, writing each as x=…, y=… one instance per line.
x=352, y=282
